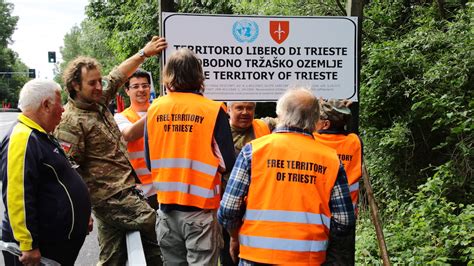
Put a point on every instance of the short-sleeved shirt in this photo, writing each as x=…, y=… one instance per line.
x=90, y=136
x=123, y=122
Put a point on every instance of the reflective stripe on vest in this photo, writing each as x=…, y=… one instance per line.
x=283, y=244
x=287, y=216
x=354, y=187
x=148, y=189
x=188, y=189
x=184, y=163
x=136, y=155
x=180, y=129
x=142, y=171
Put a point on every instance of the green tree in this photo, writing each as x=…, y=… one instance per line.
x=128, y=26
x=416, y=112
x=289, y=7
x=417, y=96
x=10, y=83
x=86, y=40
x=8, y=23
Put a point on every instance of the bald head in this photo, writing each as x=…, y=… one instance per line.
x=299, y=108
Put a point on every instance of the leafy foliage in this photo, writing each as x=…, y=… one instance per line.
x=427, y=228
x=8, y=23
x=87, y=40
x=422, y=81
x=10, y=83
x=206, y=6
x=288, y=7
x=416, y=112
x=128, y=25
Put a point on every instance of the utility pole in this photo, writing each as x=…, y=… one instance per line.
x=356, y=8
x=168, y=6
x=165, y=6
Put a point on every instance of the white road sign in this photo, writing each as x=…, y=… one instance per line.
x=256, y=58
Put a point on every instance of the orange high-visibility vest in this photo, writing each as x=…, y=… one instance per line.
x=180, y=132
x=260, y=128
x=287, y=219
x=349, y=150
x=136, y=155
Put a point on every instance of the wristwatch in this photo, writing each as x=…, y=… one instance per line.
x=141, y=53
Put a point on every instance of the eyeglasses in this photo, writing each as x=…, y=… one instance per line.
x=145, y=86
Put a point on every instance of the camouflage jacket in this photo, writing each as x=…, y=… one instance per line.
x=91, y=138
x=241, y=137
x=244, y=136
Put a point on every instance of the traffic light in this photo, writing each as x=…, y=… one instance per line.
x=52, y=57
x=32, y=73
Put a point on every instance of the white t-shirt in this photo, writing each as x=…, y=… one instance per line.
x=123, y=122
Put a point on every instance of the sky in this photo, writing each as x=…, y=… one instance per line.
x=41, y=28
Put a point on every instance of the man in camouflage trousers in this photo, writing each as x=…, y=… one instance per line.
x=90, y=136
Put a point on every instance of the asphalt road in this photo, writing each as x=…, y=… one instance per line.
x=6, y=121
x=89, y=254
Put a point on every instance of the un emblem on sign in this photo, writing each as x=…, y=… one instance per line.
x=245, y=31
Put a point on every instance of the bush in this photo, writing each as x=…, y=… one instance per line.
x=426, y=229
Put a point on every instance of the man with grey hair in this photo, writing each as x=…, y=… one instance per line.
x=47, y=205
x=287, y=198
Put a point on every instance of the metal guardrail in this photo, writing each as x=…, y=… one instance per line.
x=14, y=249
x=11, y=110
x=135, y=253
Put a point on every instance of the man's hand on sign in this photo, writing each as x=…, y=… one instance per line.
x=155, y=46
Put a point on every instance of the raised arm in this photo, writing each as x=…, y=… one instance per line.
x=153, y=47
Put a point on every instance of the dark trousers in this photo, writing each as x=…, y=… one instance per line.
x=226, y=260
x=153, y=201
x=341, y=248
